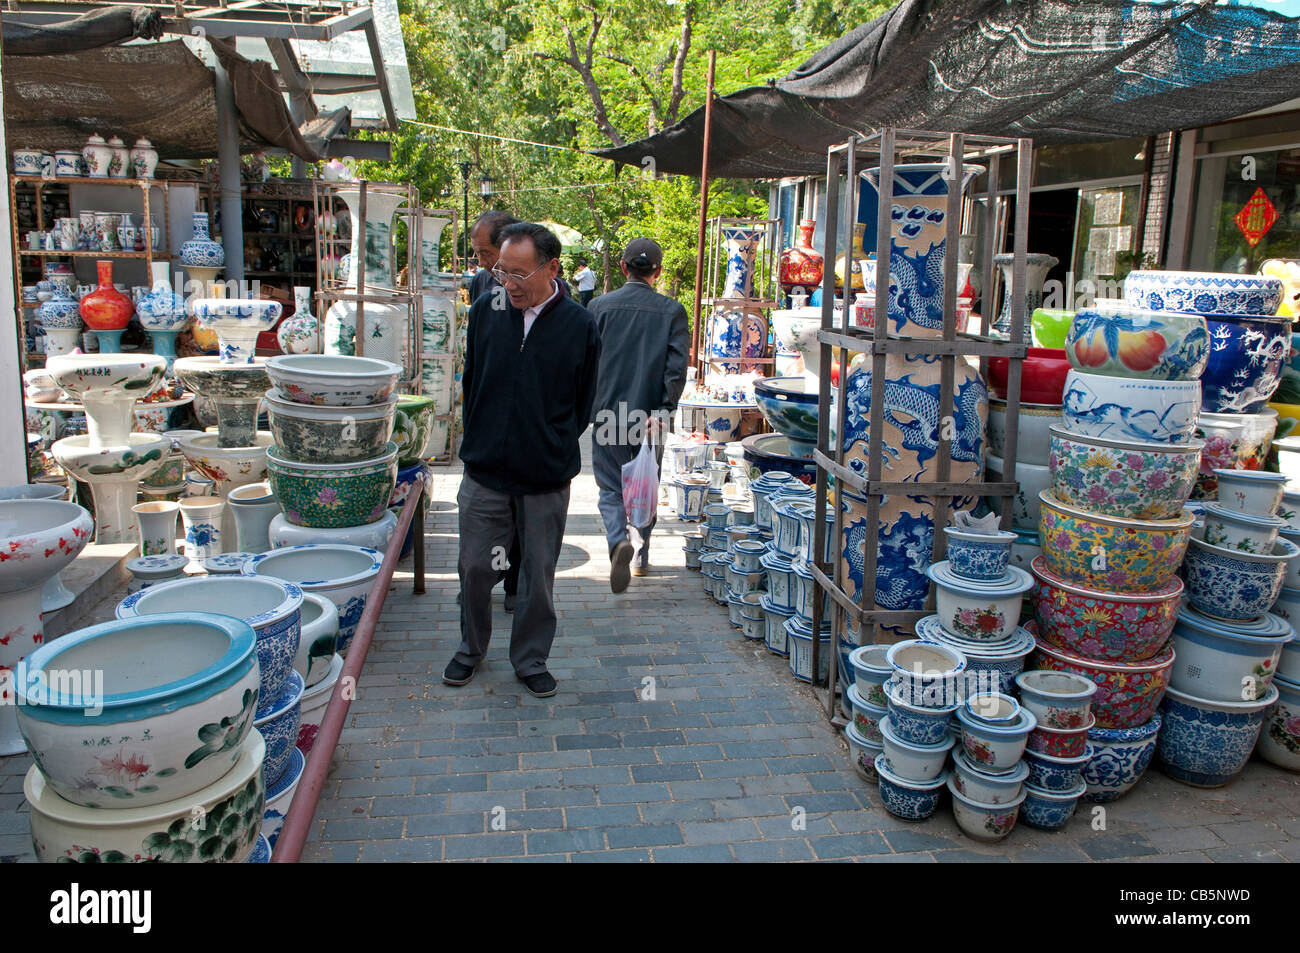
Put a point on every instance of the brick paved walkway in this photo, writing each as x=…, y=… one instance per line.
x=715, y=768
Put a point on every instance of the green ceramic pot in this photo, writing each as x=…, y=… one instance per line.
x=332, y=496
x=411, y=427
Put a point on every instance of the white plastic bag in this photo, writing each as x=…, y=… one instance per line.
x=641, y=486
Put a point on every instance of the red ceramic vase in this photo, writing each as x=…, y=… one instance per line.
x=802, y=264
x=106, y=308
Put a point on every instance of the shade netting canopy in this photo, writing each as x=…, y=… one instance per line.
x=1058, y=71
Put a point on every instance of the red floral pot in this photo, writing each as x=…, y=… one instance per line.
x=1060, y=743
x=1108, y=626
x=1128, y=693
x=106, y=308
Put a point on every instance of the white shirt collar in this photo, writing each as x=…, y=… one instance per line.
x=530, y=314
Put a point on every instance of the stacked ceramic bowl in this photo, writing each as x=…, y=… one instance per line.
x=1248, y=344
x=1227, y=644
x=988, y=781
x=978, y=598
x=776, y=495
x=685, y=478
x=1279, y=737
x=333, y=466
x=1057, y=751
x=155, y=731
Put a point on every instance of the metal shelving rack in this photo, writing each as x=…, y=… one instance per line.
x=453, y=332
x=886, y=146
x=331, y=289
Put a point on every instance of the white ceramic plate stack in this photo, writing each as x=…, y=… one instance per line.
x=162, y=734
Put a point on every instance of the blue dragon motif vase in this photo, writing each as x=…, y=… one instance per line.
x=909, y=453
x=918, y=240
x=735, y=331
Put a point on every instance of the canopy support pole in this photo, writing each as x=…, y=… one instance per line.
x=704, y=209
x=232, y=220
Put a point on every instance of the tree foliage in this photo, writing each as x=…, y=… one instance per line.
x=584, y=74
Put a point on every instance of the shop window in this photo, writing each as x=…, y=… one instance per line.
x=1227, y=184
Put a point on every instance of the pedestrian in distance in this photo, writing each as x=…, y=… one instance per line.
x=531, y=359
x=585, y=282
x=645, y=346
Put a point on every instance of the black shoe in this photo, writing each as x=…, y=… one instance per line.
x=510, y=602
x=457, y=673
x=619, y=569
x=541, y=685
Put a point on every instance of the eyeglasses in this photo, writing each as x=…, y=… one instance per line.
x=504, y=276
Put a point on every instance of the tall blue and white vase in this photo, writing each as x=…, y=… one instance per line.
x=737, y=332
x=201, y=251
x=918, y=244
x=1036, y=268
x=384, y=325
x=904, y=534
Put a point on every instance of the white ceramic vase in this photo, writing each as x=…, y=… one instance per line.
x=157, y=522
x=253, y=507
x=201, y=516
x=299, y=333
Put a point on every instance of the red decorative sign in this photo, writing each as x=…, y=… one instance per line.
x=1256, y=217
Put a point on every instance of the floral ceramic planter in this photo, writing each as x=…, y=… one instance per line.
x=908, y=800
x=1207, y=743
x=279, y=798
x=1128, y=693
x=1119, y=341
x=863, y=753
x=232, y=808
x=1123, y=478
x=331, y=496
x=1100, y=552
x=1120, y=756
x=980, y=821
x=1238, y=531
x=1279, y=739
x=411, y=427
x=319, y=639
x=321, y=434
x=1100, y=624
x=1227, y=661
x=979, y=611
x=1060, y=742
x=1059, y=700
x=176, y=726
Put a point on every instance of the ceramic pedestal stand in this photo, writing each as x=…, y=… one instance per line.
x=109, y=456
x=55, y=595
x=40, y=537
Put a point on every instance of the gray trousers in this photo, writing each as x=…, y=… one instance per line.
x=489, y=521
x=607, y=466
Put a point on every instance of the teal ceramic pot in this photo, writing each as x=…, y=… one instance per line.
x=321, y=434
x=332, y=496
x=1119, y=341
x=412, y=426
x=790, y=410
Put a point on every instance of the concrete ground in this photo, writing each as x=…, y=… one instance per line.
x=731, y=759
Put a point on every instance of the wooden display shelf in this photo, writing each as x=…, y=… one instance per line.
x=156, y=256
x=89, y=180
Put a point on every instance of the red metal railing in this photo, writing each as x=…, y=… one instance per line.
x=297, y=823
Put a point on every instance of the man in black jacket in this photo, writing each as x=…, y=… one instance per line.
x=530, y=379
x=645, y=345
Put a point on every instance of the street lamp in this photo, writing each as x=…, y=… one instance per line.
x=464, y=177
x=485, y=187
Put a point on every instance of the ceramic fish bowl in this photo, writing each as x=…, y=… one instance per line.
x=233, y=806
x=789, y=409
x=1115, y=340
x=1120, y=756
x=771, y=453
x=1128, y=693
x=238, y=322
x=175, y=693
x=1203, y=292
x=1123, y=478
x=1124, y=408
x=342, y=574
x=1235, y=586
x=1246, y=362
x=332, y=495
x=322, y=434
x=272, y=607
x=319, y=639
x=334, y=380
x=1206, y=743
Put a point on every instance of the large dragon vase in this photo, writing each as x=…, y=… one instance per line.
x=918, y=243
x=909, y=453
x=736, y=333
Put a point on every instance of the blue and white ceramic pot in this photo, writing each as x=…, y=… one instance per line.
x=1049, y=810
x=278, y=721
x=1247, y=355
x=799, y=636
x=790, y=409
x=918, y=244
x=201, y=251
x=910, y=441
x=770, y=453
x=319, y=639
x=272, y=607
x=1037, y=265
x=1203, y=292
x=279, y=797
x=1235, y=586
x=233, y=804
x=1226, y=661
x=1052, y=773
x=908, y=800
x=1207, y=743
x=1125, y=408
x=342, y=574
x=140, y=711
x=1120, y=756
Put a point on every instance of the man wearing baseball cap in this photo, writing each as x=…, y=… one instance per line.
x=645, y=346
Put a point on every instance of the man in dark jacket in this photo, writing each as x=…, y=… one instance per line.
x=531, y=359
x=645, y=345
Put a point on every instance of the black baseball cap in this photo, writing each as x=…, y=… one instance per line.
x=643, y=253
